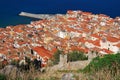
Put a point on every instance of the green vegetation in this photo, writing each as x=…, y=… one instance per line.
x=56, y=57
x=14, y=62
x=76, y=55
x=72, y=56
x=2, y=77
x=111, y=61
x=105, y=68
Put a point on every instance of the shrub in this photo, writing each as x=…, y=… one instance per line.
x=2, y=77
x=105, y=68
x=56, y=57
x=76, y=55
x=109, y=62
x=72, y=56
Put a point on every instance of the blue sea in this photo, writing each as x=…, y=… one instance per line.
x=9, y=9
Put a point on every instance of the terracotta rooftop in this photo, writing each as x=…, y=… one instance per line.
x=42, y=52
x=77, y=28
x=107, y=51
x=112, y=39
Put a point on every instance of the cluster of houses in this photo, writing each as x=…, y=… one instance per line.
x=76, y=30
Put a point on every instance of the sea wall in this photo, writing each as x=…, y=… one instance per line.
x=38, y=16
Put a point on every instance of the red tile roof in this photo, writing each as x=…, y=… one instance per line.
x=107, y=51
x=86, y=13
x=96, y=43
x=112, y=39
x=72, y=18
x=42, y=52
x=118, y=45
x=16, y=57
x=72, y=22
x=96, y=36
x=69, y=12
x=79, y=49
x=82, y=40
x=96, y=49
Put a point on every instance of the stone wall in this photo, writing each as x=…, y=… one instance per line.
x=75, y=65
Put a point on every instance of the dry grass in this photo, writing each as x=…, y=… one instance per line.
x=103, y=75
x=16, y=74
x=52, y=74
x=33, y=74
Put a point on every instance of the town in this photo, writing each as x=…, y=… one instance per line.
x=76, y=30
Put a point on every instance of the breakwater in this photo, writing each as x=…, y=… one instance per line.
x=37, y=16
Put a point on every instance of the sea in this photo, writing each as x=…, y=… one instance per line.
x=9, y=9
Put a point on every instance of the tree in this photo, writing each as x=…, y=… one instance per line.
x=76, y=55
x=56, y=56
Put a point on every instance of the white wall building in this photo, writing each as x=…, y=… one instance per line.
x=109, y=45
x=62, y=34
